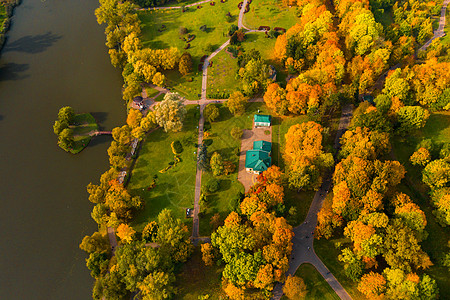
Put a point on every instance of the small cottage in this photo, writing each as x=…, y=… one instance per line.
x=262, y=120
x=258, y=159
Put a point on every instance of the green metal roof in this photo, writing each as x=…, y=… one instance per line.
x=262, y=118
x=262, y=145
x=257, y=160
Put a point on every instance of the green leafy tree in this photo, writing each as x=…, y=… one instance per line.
x=59, y=126
x=170, y=113
x=411, y=118
x=216, y=164
x=236, y=103
x=202, y=158
x=66, y=114
x=211, y=112
x=96, y=243
x=65, y=139
x=236, y=133
x=97, y=263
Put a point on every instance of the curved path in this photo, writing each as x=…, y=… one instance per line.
x=438, y=33
x=303, y=241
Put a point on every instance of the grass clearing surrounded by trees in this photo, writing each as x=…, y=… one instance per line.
x=270, y=13
x=316, y=285
x=175, y=188
x=222, y=74
x=221, y=141
x=213, y=16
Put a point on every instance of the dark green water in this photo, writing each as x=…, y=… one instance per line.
x=54, y=56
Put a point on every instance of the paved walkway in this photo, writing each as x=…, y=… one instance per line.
x=438, y=33
x=202, y=102
x=303, y=247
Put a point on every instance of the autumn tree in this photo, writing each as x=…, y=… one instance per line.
x=170, y=112
x=436, y=174
x=420, y=157
x=294, y=288
x=372, y=285
x=236, y=103
x=185, y=64
x=207, y=254
x=125, y=233
x=304, y=155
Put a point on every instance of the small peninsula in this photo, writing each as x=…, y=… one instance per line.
x=74, y=131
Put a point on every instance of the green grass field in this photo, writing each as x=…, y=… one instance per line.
x=85, y=124
x=270, y=13
x=222, y=74
x=151, y=92
x=316, y=286
x=174, y=188
x=221, y=141
x=211, y=16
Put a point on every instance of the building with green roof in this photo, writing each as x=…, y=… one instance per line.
x=258, y=159
x=262, y=120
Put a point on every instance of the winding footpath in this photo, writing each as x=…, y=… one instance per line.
x=438, y=33
x=303, y=241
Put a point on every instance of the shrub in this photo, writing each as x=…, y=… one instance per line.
x=183, y=30
x=236, y=133
x=203, y=28
x=176, y=146
x=185, y=64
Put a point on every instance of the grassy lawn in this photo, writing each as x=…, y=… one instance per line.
x=85, y=124
x=270, y=13
x=222, y=74
x=316, y=286
x=174, y=188
x=211, y=16
x=159, y=98
x=221, y=141
x=151, y=92
x=195, y=279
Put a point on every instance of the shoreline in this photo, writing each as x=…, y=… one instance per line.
x=9, y=9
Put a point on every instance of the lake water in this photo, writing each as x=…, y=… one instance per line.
x=54, y=56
